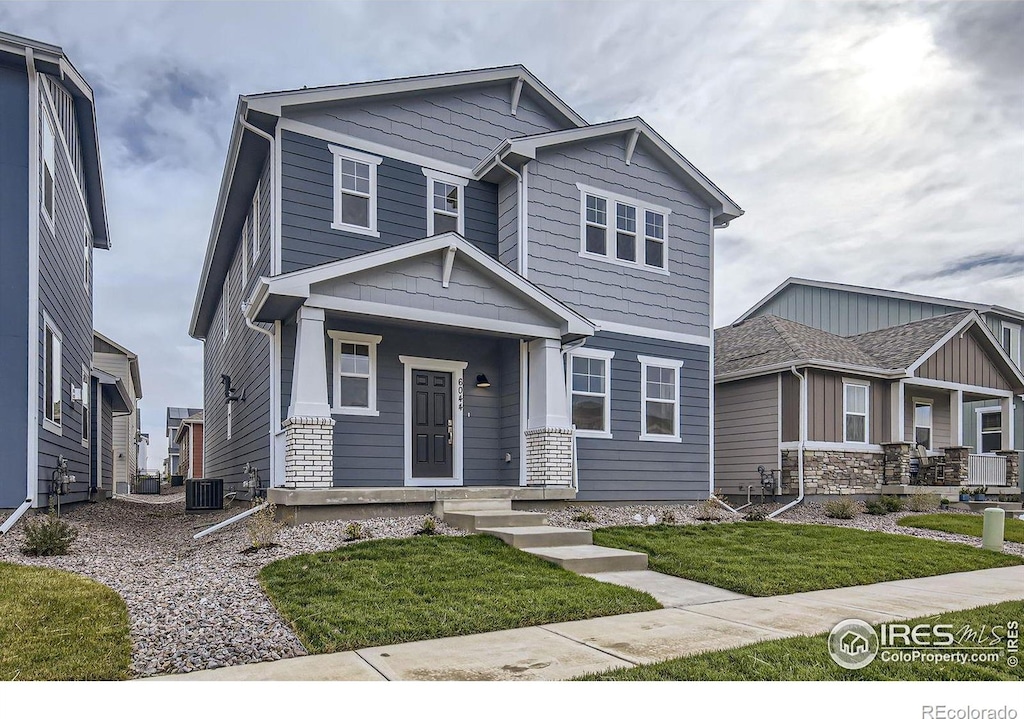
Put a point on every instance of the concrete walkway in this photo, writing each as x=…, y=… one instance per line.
x=569, y=649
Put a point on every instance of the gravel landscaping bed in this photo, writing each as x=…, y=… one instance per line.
x=192, y=604
x=815, y=514
x=634, y=514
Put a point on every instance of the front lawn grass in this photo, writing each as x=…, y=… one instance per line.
x=807, y=659
x=968, y=524
x=58, y=626
x=763, y=559
x=389, y=591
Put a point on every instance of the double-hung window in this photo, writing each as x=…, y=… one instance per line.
x=659, y=399
x=52, y=383
x=856, y=401
x=640, y=237
x=355, y=373
x=923, y=423
x=590, y=391
x=446, y=196
x=990, y=430
x=48, y=167
x=1011, y=342
x=355, y=191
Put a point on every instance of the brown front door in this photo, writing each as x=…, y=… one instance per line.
x=433, y=432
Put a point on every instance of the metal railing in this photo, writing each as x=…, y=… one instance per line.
x=986, y=469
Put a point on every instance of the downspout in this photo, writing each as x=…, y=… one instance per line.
x=520, y=212
x=24, y=507
x=232, y=520
x=802, y=443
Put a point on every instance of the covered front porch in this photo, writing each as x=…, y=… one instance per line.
x=415, y=375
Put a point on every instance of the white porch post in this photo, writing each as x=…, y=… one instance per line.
x=548, y=429
x=956, y=417
x=897, y=394
x=309, y=428
x=1006, y=410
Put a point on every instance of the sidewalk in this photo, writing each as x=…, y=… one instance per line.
x=569, y=649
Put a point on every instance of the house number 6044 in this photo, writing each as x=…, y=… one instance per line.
x=461, y=381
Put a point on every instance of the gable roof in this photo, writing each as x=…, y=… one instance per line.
x=981, y=308
x=51, y=60
x=767, y=344
x=120, y=401
x=196, y=418
x=133, y=359
x=516, y=151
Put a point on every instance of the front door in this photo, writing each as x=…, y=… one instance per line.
x=433, y=432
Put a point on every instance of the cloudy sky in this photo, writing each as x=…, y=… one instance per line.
x=879, y=144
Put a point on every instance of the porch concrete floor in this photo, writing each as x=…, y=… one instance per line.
x=569, y=649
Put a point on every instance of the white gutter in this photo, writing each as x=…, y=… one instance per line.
x=232, y=520
x=803, y=442
x=6, y=526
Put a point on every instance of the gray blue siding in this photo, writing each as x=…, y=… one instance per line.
x=677, y=302
x=624, y=468
x=14, y=277
x=307, y=207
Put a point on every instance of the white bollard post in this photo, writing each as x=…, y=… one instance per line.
x=992, y=529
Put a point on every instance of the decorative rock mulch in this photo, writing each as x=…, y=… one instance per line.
x=634, y=514
x=193, y=604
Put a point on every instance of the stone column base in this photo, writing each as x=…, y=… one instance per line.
x=1012, y=465
x=308, y=452
x=897, y=462
x=956, y=464
x=549, y=456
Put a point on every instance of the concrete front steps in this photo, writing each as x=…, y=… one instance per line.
x=572, y=549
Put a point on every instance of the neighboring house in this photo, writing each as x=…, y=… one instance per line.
x=143, y=451
x=52, y=217
x=422, y=285
x=850, y=309
x=109, y=400
x=115, y=359
x=175, y=416
x=847, y=411
x=189, y=438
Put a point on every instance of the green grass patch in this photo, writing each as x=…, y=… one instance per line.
x=807, y=659
x=967, y=524
x=763, y=559
x=389, y=591
x=58, y=626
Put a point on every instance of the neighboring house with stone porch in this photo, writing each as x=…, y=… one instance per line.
x=451, y=286
x=848, y=410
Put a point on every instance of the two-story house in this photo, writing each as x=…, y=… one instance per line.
x=451, y=286
x=847, y=385
x=121, y=362
x=174, y=417
x=52, y=217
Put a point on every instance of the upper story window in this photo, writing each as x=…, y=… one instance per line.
x=355, y=373
x=49, y=166
x=355, y=191
x=659, y=399
x=52, y=383
x=856, y=400
x=86, y=256
x=640, y=230
x=590, y=391
x=445, y=202
x=1011, y=341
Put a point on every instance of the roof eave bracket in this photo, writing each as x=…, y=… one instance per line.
x=631, y=144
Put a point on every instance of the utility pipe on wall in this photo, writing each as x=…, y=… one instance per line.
x=24, y=507
x=802, y=443
x=520, y=213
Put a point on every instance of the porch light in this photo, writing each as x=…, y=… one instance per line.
x=482, y=381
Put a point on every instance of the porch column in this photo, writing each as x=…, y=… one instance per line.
x=956, y=417
x=309, y=428
x=1006, y=412
x=548, y=429
x=897, y=420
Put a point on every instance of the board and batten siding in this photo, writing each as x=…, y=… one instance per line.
x=14, y=281
x=963, y=360
x=847, y=313
x=456, y=125
x=624, y=468
x=677, y=302
x=369, y=451
x=825, y=407
x=65, y=299
x=246, y=359
x=746, y=432
x=307, y=207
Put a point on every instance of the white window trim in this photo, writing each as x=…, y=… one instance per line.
x=254, y=226
x=245, y=254
x=86, y=257
x=663, y=362
x=225, y=309
x=47, y=123
x=978, y=413
x=460, y=183
x=866, y=413
x=344, y=153
x=371, y=341
x=1014, y=349
x=58, y=378
x=606, y=356
x=914, y=401
x=458, y=370
x=86, y=401
x=642, y=206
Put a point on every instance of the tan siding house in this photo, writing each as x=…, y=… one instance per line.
x=122, y=363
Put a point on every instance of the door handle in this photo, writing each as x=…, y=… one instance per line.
x=451, y=433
